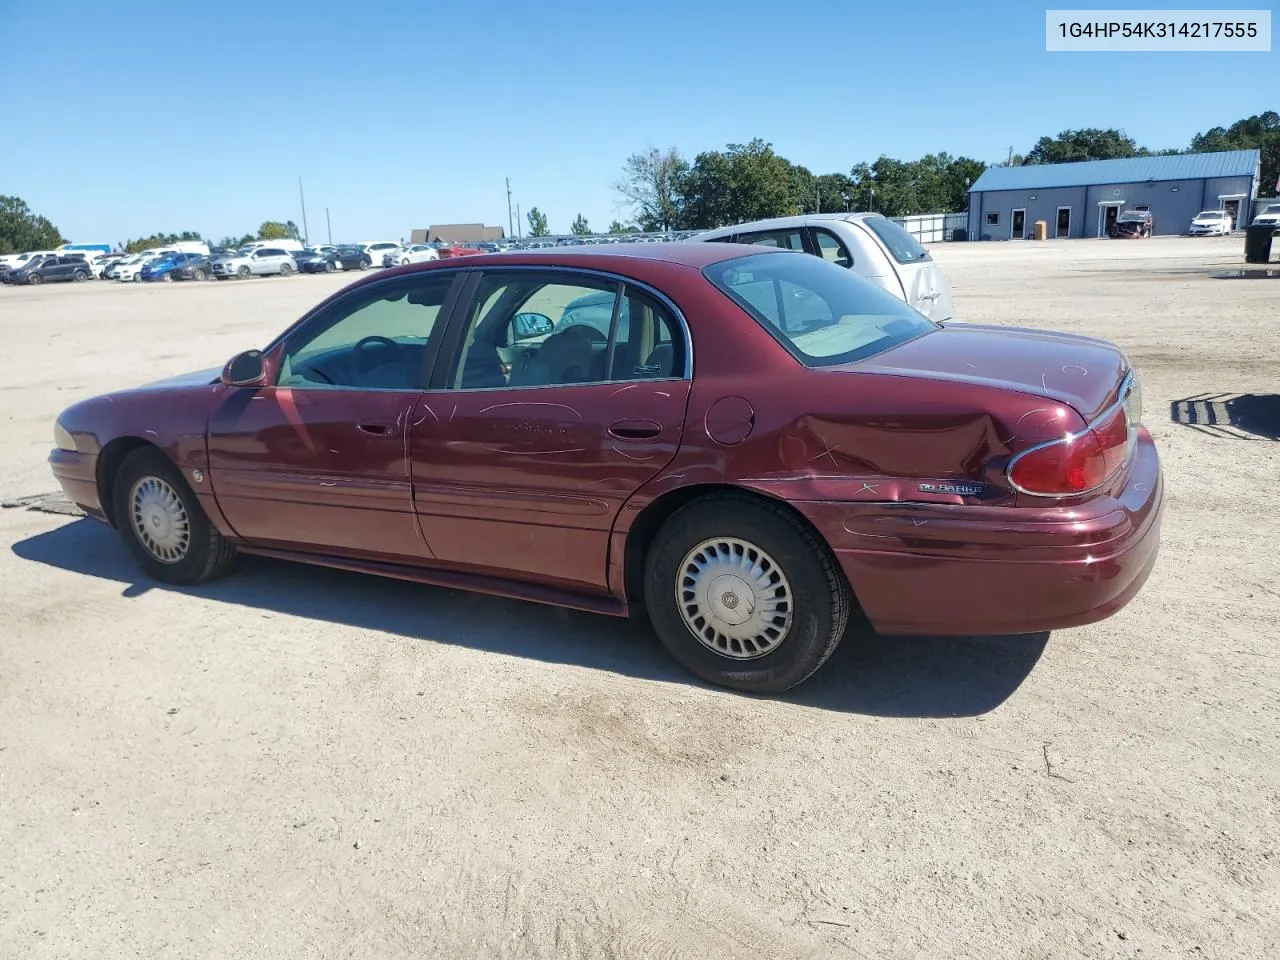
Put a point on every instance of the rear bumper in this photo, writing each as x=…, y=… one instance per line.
x=944, y=570
x=77, y=474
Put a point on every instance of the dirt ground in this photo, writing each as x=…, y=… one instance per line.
x=295, y=762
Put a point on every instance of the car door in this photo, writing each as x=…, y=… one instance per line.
x=539, y=426
x=316, y=460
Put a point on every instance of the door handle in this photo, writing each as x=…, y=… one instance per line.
x=634, y=429
x=377, y=428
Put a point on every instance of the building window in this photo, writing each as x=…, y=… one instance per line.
x=993, y=218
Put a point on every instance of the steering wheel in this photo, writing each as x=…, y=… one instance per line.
x=365, y=342
x=312, y=373
x=593, y=333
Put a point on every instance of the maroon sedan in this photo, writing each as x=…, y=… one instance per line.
x=743, y=443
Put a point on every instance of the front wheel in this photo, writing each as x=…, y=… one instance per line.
x=243, y=273
x=35, y=279
x=163, y=524
x=198, y=274
x=745, y=595
x=329, y=267
x=79, y=276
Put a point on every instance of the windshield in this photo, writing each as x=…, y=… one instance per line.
x=822, y=314
x=1271, y=208
x=1209, y=215
x=903, y=246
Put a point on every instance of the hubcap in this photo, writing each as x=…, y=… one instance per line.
x=160, y=520
x=734, y=598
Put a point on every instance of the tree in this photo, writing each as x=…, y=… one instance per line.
x=618, y=226
x=22, y=231
x=1260, y=132
x=275, y=230
x=651, y=185
x=161, y=240
x=579, y=226
x=234, y=243
x=748, y=181
x=537, y=223
x=1088, y=144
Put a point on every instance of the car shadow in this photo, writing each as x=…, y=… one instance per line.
x=868, y=674
x=1246, y=416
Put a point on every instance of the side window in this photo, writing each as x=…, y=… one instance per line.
x=786, y=239
x=375, y=340
x=533, y=330
x=648, y=345
x=831, y=248
x=993, y=218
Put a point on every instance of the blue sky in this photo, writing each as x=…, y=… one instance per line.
x=128, y=119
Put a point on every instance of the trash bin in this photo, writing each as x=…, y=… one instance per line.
x=1042, y=230
x=1257, y=243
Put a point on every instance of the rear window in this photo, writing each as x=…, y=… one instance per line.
x=824, y=315
x=903, y=246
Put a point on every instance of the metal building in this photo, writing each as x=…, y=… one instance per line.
x=1084, y=199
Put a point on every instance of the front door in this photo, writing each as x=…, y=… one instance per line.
x=1018, y=224
x=317, y=460
x=1110, y=214
x=565, y=392
x=1232, y=209
x=1063, y=228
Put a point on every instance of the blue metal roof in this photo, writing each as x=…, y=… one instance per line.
x=1092, y=173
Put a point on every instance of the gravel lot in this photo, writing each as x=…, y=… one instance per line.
x=295, y=762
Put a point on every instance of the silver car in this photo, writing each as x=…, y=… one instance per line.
x=870, y=244
x=262, y=262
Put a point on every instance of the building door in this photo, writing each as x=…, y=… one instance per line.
x=1063, y=228
x=1110, y=213
x=1018, y=224
x=1231, y=207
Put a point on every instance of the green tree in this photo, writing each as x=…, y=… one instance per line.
x=835, y=193
x=1260, y=132
x=537, y=223
x=234, y=243
x=617, y=226
x=579, y=226
x=22, y=231
x=162, y=239
x=275, y=230
x=747, y=181
x=650, y=184
x=1087, y=144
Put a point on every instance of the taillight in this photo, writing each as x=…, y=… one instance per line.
x=1081, y=461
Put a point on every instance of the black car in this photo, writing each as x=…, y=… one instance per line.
x=196, y=267
x=52, y=269
x=303, y=257
x=346, y=258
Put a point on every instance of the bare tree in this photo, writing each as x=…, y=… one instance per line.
x=650, y=185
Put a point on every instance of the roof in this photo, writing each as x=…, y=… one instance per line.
x=1092, y=173
x=455, y=232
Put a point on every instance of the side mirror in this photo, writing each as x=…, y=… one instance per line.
x=246, y=369
x=525, y=326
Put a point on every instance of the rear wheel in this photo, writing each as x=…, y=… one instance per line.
x=198, y=274
x=80, y=276
x=163, y=524
x=744, y=595
x=285, y=270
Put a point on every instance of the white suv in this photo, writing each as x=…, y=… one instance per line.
x=261, y=262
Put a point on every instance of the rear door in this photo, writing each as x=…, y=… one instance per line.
x=539, y=426
x=924, y=285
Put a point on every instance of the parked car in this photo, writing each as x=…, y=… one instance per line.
x=834, y=447
x=302, y=258
x=129, y=272
x=1210, y=223
x=112, y=270
x=451, y=250
x=351, y=257
x=161, y=268
x=377, y=249
x=1133, y=225
x=870, y=244
x=410, y=253
x=258, y=262
x=1270, y=214
x=52, y=269
x=195, y=267
x=293, y=246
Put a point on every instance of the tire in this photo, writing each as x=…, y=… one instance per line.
x=329, y=267
x=181, y=555
x=168, y=277
x=242, y=273
x=796, y=565
x=285, y=270
x=365, y=264
x=35, y=279
x=404, y=262
x=79, y=276
x=198, y=274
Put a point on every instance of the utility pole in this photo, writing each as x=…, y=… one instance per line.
x=304, y=210
x=510, y=229
x=1010, y=161
x=328, y=225
x=519, y=229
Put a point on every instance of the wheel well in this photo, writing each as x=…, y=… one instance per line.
x=652, y=517
x=109, y=461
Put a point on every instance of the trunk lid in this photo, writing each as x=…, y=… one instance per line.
x=927, y=289
x=1082, y=372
